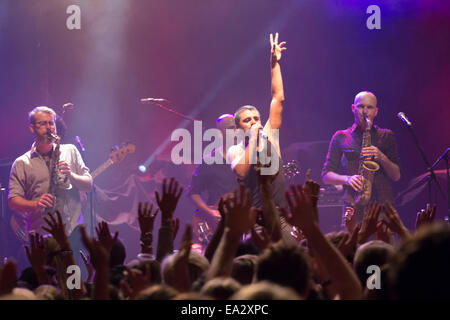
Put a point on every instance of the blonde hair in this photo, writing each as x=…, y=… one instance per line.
x=44, y=109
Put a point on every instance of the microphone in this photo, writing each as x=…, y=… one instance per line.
x=403, y=117
x=68, y=105
x=78, y=140
x=262, y=134
x=150, y=100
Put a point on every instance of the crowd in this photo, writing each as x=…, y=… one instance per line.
x=362, y=262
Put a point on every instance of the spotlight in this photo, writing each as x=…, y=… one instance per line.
x=142, y=168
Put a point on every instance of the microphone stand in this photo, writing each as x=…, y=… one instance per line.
x=3, y=254
x=432, y=176
x=90, y=198
x=445, y=156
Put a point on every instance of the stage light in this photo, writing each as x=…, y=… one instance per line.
x=142, y=168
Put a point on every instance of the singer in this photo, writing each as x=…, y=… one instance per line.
x=343, y=158
x=248, y=118
x=29, y=180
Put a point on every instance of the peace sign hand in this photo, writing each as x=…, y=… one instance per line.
x=276, y=48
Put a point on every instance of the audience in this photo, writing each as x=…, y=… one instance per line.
x=243, y=261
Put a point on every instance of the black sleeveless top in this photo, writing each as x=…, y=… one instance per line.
x=278, y=184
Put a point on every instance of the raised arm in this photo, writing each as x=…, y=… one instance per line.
x=240, y=217
x=167, y=204
x=276, y=105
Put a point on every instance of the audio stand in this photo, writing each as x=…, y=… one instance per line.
x=93, y=218
x=445, y=157
x=3, y=225
x=432, y=176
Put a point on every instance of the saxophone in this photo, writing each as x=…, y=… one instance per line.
x=57, y=181
x=366, y=169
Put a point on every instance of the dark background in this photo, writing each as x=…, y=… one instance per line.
x=209, y=58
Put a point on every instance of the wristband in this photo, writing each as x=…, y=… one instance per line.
x=347, y=180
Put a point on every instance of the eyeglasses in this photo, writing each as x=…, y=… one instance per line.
x=44, y=123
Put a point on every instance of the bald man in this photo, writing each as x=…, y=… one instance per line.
x=342, y=162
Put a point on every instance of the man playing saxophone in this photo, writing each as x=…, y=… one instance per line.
x=33, y=192
x=363, y=158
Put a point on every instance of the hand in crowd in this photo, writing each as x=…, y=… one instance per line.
x=276, y=48
x=146, y=217
x=425, y=216
x=57, y=229
x=395, y=222
x=45, y=201
x=37, y=252
x=383, y=233
x=240, y=216
x=169, y=200
x=349, y=241
x=182, y=280
x=264, y=179
x=99, y=255
x=302, y=212
x=135, y=281
x=260, y=238
x=104, y=236
x=175, y=227
x=8, y=277
x=89, y=267
x=350, y=220
x=370, y=220
x=312, y=190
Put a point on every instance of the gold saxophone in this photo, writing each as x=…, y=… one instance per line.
x=57, y=181
x=366, y=169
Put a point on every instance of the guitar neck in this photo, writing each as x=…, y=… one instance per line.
x=102, y=168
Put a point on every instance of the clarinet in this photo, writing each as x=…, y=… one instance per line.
x=57, y=181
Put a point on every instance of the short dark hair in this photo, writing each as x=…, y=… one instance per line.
x=285, y=264
x=420, y=268
x=241, y=109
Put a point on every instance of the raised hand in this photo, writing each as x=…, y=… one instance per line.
x=175, y=227
x=99, y=255
x=394, y=222
x=348, y=242
x=8, y=277
x=169, y=200
x=89, y=267
x=57, y=229
x=37, y=252
x=302, y=212
x=104, y=236
x=383, y=233
x=146, y=217
x=260, y=239
x=370, y=220
x=182, y=281
x=350, y=220
x=276, y=48
x=425, y=216
x=312, y=190
x=240, y=216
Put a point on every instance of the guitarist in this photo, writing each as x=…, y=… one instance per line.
x=216, y=179
x=29, y=180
